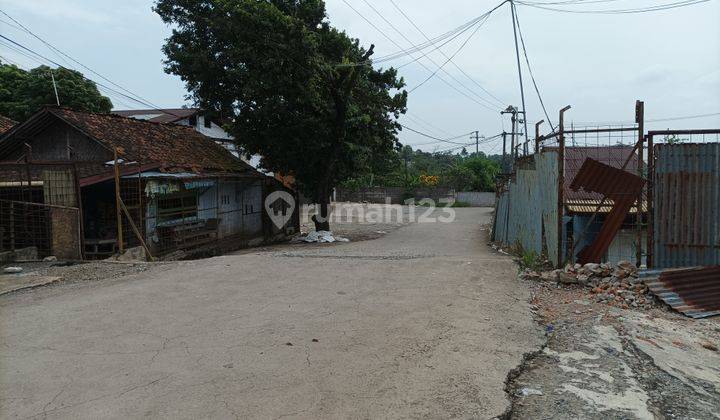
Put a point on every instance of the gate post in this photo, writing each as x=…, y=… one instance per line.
x=561, y=183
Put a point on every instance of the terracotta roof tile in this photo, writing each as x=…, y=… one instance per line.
x=6, y=124
x=170, y=145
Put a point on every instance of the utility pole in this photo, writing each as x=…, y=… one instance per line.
x=517, y=56
x=513, y=111
x=504, y=158
x=477, y=142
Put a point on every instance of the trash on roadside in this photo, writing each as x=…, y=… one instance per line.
x=323, y=236
x=51, y=258
x=12, y=270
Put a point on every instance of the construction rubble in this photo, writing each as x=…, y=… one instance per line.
x=616, y=285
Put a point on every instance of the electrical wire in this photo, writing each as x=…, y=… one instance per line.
x=532, y=76
x=143, y=101
x=146, y=104
x=421, y=64
x=655, y=8
x=436, y=138
x=477, y=28
x=445, y=55
x=480, y=21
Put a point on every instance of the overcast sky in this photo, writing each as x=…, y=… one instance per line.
x=599, y=64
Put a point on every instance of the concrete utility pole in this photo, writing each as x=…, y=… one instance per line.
x=477, y=141
x=522, y=90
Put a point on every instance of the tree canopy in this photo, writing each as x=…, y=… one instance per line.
x=22, y=93
x=408, y=168
x=293, y=89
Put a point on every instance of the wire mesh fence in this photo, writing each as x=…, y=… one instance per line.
x=39, y=211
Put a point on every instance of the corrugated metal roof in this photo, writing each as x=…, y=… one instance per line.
x=613, y=156
x=620, y=186
x=694, y=292
x=687, y=205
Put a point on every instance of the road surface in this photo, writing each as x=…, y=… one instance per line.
x=424, y=322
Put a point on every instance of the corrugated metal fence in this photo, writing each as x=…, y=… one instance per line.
x=687, y=205
x=527, y=209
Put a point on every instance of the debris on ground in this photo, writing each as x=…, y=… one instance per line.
x=322, y=236
x=615, y=285
x=12, y=270
x=604, y=361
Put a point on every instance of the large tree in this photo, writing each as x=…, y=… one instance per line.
x=296, y=91
x=22, y=93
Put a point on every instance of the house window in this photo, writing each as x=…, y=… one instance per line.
x=193, y=120
x=178, y=206
x=224, y=199
x=208, y=123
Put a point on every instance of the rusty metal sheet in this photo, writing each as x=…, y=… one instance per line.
x=694, y=292
x=622, y=187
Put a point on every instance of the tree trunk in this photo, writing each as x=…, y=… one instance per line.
x=322, y=218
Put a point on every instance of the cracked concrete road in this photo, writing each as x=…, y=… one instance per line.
x=424, y=322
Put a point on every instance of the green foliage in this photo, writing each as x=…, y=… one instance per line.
x=272, y=69
x=474, y=172
x=531, y=260
x=22, y=93
x=673, y=139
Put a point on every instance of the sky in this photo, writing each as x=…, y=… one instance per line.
x=600, y=64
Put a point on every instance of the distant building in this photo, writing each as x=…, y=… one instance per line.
x=194, y=117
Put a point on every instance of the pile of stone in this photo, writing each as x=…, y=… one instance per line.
x=617, y=285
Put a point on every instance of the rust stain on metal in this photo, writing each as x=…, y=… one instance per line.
x=622, y=187
x=694, y=292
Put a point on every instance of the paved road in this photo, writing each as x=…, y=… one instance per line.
x=424, y=322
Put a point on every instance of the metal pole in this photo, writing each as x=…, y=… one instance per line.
x=640, y=120
x=512, y=140
x=561, y=183
x=650, y=204
x=537, y=135
x=118, y=206
x=517, y=56
x=477, y=142
x=504, y=159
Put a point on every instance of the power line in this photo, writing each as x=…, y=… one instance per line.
x=477, y=28
x=532, y=76
x=146, y=104
x=142, y=101
x=478, y=23
x=659, y=7
x=436, y=138
x=422, y=64
x=445, y=55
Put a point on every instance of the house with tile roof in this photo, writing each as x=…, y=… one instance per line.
x=178, y=189
x=191, y=117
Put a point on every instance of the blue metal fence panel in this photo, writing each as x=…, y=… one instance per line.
x=687, y=205
x=527, y=211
